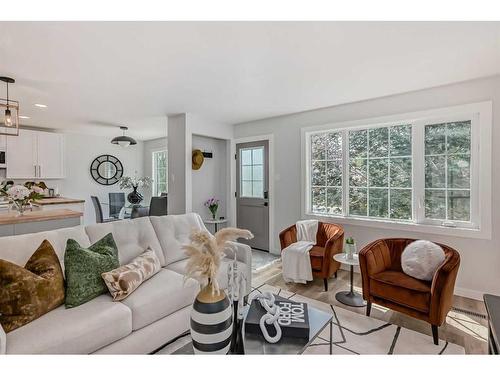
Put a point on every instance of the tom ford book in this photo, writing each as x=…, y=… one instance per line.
x=293, y=320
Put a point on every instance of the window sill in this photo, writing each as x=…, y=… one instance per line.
x=404, y=226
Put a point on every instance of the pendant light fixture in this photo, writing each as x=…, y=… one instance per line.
x=9, y=124
x=123, y=140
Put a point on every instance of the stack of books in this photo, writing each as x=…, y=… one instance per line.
x=293, y=320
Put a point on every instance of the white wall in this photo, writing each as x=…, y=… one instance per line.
x=151, y=146
x=211, y=179
x=479, y=270
x=80, y=151
x=181, y=128
x=179, y=149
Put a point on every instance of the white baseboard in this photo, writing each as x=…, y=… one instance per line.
x=469, y=293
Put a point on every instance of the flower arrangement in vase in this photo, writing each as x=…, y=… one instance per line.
x=21, y=196
x=134, y=197
x=211, y=307
x=213, y=205
x=350, y=247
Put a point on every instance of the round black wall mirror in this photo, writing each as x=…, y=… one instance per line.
x=106, y=170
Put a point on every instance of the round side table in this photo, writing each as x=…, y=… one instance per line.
x=215, y=223
x=350, y=298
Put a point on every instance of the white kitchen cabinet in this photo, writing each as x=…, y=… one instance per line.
x=3, y=142
x=50, y=155
x=21, y=155
x=35, y=155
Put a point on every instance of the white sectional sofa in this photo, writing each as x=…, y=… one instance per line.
x=157, y=312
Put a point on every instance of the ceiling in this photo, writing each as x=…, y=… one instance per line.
x=95, y=76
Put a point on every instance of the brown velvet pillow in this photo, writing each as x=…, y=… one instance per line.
x=28, y=293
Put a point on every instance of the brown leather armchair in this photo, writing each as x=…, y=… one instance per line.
x=385, y=283
x=329, y=241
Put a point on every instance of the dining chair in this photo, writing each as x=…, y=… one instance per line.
x=158, y=206
x=99, y=217
x=139, y=211
x=116, y=203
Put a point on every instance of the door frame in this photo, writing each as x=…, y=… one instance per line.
x=270, y=139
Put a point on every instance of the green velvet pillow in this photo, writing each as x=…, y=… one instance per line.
x=84, y=268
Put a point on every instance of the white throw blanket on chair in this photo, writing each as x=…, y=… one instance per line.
x=295, y=258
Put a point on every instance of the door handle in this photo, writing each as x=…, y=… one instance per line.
x=35, y=170
x=266, y=195
x=266, y=204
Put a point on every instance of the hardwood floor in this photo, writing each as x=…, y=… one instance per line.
x=461, y=327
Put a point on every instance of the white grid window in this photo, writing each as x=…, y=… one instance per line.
x=160, y=165
x=326, y=170
x=380, y=172
x=420, y=170
x=448, y=171
x=252, y=172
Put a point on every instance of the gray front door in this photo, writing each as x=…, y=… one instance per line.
x=252, y=197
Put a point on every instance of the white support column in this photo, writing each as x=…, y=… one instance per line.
x=179, y=165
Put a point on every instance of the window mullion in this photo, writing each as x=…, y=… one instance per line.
x=345, y=173
x=368, y=173
x=446, y=173
x=418, y=171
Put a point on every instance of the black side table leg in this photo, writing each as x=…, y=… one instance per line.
x=331, y=337
x=352, y=279
x=350, y=298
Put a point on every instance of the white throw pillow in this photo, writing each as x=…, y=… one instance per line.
x=421, y=259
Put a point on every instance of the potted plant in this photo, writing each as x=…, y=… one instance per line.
x=350, y=247
x=213, y=205
x=21, y=196
x=134, y=197
x=212, y=309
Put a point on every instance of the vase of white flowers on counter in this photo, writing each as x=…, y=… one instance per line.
x=21, y=196
x=134, y=197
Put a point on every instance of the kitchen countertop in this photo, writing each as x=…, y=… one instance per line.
x=33, y=216
x=58, y=200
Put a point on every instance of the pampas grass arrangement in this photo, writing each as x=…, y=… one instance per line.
x=206, y=252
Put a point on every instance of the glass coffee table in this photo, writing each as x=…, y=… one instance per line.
x=318, y=320
x=256, y=344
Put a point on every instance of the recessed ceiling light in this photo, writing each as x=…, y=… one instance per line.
x=40, y=105
x=24, y=117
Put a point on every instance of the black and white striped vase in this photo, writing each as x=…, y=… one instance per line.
x=211, y=322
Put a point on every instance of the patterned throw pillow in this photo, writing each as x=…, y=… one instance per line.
x=28, y=292
x=122, y=281
x=84, y=268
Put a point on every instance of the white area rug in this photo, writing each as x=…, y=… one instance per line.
x=352, y=334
